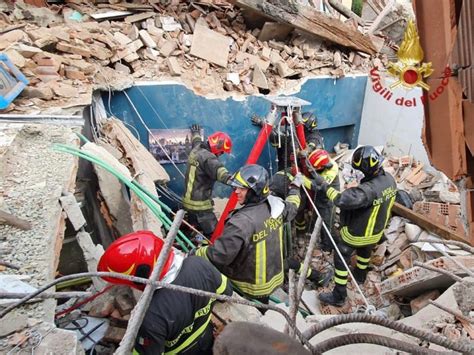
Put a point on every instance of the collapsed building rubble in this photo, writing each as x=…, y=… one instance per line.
x=417, y=279
x=68, y=52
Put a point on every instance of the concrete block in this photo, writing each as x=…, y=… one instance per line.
x=17, y=59
x=73, y=211
x=122, y=39
x=146, y=39
x=274, y=31
x=167, y=48
x=92, y=254
x=236, y=312
x=423, y=300
x=211, y=46
x=173, y=66
x=114, y=335
x=124, y=302
x=69, y=48
x=12, y=323
x=283, y=69
x=417, y=280
x=252, y=59
x=258, y=78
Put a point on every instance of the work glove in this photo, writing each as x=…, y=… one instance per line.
x=318, y=180
x=256, y=121
x=298, y=180
x=303, y=153
x=195, y=128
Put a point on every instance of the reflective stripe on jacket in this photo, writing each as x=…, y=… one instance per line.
x=203, y=170
x=250, y=250
x=365, y=209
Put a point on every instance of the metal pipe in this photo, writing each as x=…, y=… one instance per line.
x=138, y=313
x=57, y=295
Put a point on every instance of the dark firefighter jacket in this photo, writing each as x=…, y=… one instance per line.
x=365, y=209
x=204, y=169
x=177, y=322
x=250, y=250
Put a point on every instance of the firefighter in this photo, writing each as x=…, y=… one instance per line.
x=320, y=163
x=314, y=139
x=249, y=251
x=365, y=211
x=280, y=137
x=175, y=322
x=203, y=170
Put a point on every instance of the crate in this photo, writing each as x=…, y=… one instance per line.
x=12, y=81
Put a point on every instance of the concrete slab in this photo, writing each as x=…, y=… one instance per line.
x=211, y=46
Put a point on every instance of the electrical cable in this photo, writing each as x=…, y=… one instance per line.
x=133, y=185
x=370, y=308
x=151, y=134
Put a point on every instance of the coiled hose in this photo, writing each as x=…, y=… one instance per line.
x=400, y=327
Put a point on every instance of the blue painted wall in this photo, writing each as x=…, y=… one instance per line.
x=336, y=103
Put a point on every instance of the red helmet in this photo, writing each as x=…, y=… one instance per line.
x=219, y=142
x=133, y=254
x=319, y=159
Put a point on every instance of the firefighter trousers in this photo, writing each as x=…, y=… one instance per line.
x=363, y=259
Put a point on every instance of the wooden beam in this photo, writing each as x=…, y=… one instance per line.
x=313, y=22
x=425, y=223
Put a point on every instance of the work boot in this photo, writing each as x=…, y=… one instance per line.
x=335, y=298
x=320, y=279
x=359, y=275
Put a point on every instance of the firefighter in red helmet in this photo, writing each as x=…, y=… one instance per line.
x=203, y=170
x=175, y=322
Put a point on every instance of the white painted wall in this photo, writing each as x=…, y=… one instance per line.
x=397, y=128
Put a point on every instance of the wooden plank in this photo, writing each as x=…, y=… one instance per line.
x=313, y=22
x=427, y=224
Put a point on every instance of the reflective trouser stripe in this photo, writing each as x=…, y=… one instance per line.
x=261, y=263
x=300, y=225
x=359, y=241
x=191, y=204
x=191, y=178
x=369, y=230
x=362, y=263
x=340, y=281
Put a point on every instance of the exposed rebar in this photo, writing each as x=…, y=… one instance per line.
x=400, y=327
x=138, y=312
x=365, y=338
x=292, y=301
x=57, y=295
x=451, y=311
x=162, y=285
x=457, y=243
x=441, y=271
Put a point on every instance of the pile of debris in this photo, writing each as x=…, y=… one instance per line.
x=67, y=52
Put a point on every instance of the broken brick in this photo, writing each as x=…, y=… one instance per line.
x=68, y=48
x=173, y=65
x=423, y=300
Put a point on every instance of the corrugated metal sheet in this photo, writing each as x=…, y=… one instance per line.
x=463, y=50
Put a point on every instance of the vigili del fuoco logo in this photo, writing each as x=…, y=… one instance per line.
x=409, y=72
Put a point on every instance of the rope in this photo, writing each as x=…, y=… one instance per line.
x=397, y=326
x=151, y=134
x=369, y=308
